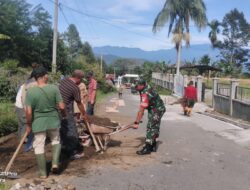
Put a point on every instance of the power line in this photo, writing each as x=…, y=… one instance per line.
x=61, y=10
x=108, y=23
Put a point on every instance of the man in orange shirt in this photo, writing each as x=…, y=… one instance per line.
x=190, y=97
x=92, y=87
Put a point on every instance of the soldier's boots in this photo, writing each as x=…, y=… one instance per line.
x=147, y=149
x=154, y=146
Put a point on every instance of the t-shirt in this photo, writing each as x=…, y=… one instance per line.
x=70, y=92
x=18, y=102
x=44, y=101
x=190, y=93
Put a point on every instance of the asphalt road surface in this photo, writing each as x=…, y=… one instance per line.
x=194, y=153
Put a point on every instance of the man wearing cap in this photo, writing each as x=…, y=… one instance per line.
x=92, y=87
x=151, y=101
x=70, y=92
x=42, y=103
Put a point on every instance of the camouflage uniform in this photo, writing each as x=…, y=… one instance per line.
x=151, y=101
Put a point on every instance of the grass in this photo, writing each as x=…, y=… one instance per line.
x=5, y=186
x=101, y=95
x=163, y=91
x=8, y=120
x=243, y=82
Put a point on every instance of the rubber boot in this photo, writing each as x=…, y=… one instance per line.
x=41, y=162
x=154, y=146
x=145, y=150
x=56, y=150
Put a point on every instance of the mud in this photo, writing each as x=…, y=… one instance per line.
x=102, y=121
x=121, y=153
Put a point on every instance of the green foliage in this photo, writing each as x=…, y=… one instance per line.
x=161, y=90
x=236, y=36
x=8, y=121
x=104, y=87
x=205, y=60
x=7, y=91
x=179, y=13
x=73, y=41
x=10, y=64
x=4, y=37
x=7, y=125
x=88, y=53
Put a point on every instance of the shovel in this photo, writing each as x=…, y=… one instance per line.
x=7, y=169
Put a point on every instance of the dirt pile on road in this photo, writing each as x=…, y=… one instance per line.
x=100, y=121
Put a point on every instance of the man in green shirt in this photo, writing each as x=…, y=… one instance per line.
x=42, y=103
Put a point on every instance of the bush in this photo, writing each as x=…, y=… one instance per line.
x=7, y=125
x=10, y=64
x=104, y=87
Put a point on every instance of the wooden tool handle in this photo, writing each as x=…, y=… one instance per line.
x=93, y=137
x=16, y=152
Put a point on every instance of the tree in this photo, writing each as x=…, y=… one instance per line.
x=42, y=36
x=215, y=30
x=88, y=52
x=236, y=37
x=4, y=37
x=73, y=41
x=15, y=22
x=205, y=60
x=179, y=13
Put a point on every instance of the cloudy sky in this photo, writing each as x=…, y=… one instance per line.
x=128, y=23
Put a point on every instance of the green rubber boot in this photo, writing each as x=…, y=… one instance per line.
x=41, y=162
x=56, y=150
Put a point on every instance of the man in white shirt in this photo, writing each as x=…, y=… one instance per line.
x=20, y=111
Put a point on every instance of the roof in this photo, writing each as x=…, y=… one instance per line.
x=131, y=75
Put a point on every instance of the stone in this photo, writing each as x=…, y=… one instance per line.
x=71, y=187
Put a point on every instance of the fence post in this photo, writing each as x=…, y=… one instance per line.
x=234, y=84
x=185, y=80
x=199, y=87
x=214, y=91
x=174, y=83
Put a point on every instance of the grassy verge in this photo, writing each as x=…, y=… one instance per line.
x=8, y=120
x=163, y=91
x=5, y=186
x=101, y=95
x=243, y=82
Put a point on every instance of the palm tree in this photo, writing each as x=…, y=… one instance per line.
x=179, y=13
x=214, y=25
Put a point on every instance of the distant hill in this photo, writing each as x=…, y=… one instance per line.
x=112, y=53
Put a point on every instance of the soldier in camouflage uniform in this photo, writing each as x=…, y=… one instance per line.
x=151, y=101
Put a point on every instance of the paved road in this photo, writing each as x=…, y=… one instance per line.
x=197, y=153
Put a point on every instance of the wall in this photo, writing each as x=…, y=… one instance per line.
x=241, y=110
x=221, y=104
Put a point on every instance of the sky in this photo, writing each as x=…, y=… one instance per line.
x=128, y=23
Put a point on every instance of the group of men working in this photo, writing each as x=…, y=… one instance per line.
x=41, y=103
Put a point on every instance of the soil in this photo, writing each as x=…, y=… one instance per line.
x=121, y=153
x=102, y=121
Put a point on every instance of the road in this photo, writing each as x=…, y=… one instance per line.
x=196, y=153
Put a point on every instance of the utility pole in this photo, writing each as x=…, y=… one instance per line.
x=101, y=63
x=55, y=37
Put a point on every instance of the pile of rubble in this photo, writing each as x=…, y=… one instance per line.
x=49, y=184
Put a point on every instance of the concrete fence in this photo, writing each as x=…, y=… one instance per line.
x=177, y=83
x=225, y=100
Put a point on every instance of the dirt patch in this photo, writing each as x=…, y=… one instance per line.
x=25, y=162
x=100, y=121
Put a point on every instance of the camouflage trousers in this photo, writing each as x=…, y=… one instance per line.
x=153, y=126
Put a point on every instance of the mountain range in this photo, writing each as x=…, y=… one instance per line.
x=112, y=53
